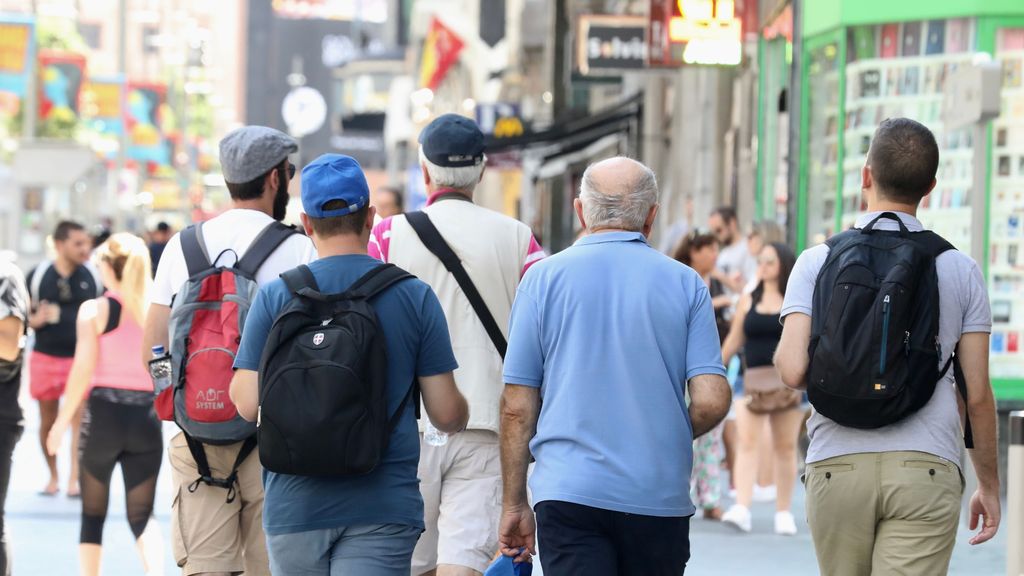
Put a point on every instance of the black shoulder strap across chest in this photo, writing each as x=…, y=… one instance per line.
x=434, y=242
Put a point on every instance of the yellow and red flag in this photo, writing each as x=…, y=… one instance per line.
x=441, y=50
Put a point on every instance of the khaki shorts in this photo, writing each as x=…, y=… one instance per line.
x=207, y=533
x=883, y=513
x=461, y=487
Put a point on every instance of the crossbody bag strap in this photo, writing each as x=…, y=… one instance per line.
x=434, y=242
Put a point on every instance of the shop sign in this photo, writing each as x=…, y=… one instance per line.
x=611, y=43
x=702, y=32
x=502, y=119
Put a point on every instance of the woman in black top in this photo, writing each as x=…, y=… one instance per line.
x=757, y=330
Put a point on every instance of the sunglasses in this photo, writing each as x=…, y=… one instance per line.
x=291, y=171
x=63, y=290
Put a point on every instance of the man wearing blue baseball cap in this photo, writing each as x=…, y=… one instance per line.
x=367, y=524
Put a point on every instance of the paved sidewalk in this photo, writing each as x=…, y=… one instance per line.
x=44, y=532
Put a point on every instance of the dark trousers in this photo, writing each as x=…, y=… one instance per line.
x=9, y=436
x=579, y=540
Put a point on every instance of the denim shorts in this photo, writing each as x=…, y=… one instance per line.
x=370, y=550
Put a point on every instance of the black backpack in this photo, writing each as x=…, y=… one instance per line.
x=323, y=380
x=874, y=354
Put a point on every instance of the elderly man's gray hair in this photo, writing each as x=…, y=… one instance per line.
x=607, y=205
x=463, y=179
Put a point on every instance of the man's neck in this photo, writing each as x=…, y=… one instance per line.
x=64, y=266
x=343, y=245
x=887, y=206
x=433, y=192
x=256, y=205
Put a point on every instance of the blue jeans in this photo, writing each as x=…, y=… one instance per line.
x=371, y=550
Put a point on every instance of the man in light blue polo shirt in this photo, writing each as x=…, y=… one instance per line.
x=608, y=334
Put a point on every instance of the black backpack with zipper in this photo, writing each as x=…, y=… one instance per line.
x=323, y=380
x=875, y=356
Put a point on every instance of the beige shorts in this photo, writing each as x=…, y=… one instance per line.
x=208, y=534
x=461, y=487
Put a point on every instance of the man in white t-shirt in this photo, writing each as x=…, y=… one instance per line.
x=736, y=266
x=213, y=536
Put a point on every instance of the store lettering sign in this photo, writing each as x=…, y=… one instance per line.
x=710, y=30
x=611, y=43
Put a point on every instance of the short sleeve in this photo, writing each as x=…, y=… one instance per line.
x=977, y=310
x=524, y=360
x=703, y=350
x=435, y=353
x=257, y=327
x=380, y=240
x=800, y=289
x=163, y=288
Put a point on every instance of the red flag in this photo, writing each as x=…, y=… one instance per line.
x=441, y=50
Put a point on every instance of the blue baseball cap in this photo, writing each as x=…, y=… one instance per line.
x=453, y=141
x=333, y=177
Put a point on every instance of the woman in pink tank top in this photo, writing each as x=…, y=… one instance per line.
x=119, y=424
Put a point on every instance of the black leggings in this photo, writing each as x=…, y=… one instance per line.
x=9, y=435
x=119, y=427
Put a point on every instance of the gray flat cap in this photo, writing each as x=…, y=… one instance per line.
x=251, y=151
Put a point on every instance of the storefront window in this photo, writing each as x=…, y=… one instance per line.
x=1006, y=249
x=900, y=70
x=823, y=143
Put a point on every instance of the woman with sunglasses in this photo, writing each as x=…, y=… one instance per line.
x=756, y=329
x=699, y=250
x=119, y=424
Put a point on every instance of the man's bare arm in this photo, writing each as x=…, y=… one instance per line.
x=245, y=394
x=11, y=331
x=710, y=397
x=155, y=331
x=981, y=405
x=791, y=356
x=446, y=406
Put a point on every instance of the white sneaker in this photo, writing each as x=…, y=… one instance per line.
x=738, y=517
x=764, y=493
x=785, y=524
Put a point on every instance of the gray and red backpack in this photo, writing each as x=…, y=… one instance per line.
x=207, y=317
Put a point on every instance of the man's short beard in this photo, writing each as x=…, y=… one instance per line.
x=281, y=197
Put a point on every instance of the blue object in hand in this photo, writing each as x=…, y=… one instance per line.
x=504, y=566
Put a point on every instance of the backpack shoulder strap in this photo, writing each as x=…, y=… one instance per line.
x=434, y=242
x=377, y=280
x=37, y=280
x=206, y=474
x=263, y=246
x=932, y=243
x=301, y=282
x=193, y=248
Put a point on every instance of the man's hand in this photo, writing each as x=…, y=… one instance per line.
x=985, y=505
x=42, y=315
x=517, y=533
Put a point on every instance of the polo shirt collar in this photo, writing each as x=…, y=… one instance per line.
x=605, y=237
x=912, y=223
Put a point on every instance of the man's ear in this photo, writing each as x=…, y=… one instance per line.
x=577, y=205
x=371, y=215
x=271, y=183
x=426, y=175
x=651, y=217
x=307, y=224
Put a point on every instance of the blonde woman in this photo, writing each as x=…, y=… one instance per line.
x=119, y=425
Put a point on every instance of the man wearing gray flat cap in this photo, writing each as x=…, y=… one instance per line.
x=218, y=518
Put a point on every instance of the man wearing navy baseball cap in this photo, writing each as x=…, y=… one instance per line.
x=366, y=524
x=460, y=474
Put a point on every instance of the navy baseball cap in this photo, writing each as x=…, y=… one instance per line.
x=333, y=177
x=453, y=141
